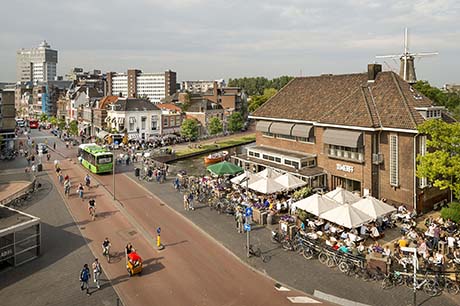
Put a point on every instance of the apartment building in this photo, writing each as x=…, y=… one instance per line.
x=36, y=64
x=7, y=119
x=137, y=84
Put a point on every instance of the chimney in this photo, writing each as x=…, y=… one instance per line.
x=372, y=71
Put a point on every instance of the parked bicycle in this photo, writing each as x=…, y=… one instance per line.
x=253, y=251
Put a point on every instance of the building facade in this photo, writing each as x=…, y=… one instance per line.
x=7, y=120
x=357, y=131
x=171, y=118
x=201, y=86
x=136, y=84
x=36, y=64
x=139, y=118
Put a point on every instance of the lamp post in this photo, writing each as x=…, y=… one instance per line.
x=113, y=174
x=415, y=264
x=248, y=214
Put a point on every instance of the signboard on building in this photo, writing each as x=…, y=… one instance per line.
x=345, y=168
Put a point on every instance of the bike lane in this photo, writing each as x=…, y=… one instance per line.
x=192, y=270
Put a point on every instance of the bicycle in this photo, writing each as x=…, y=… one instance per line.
x=392, y=279
x=258, y=253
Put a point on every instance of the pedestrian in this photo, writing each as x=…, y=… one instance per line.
x=54, y=145
x=80, y=191
x=48, y=157
x=88, y=181
x=239, y=220
x=67, y=187
x=190, y=201
x=97, y=271
x=186, y=202
x=85, y=276
x=34, y=168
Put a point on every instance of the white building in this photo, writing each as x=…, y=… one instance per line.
x=138, y=117
x=201, y=85
x=136, y=84
x=36, y=64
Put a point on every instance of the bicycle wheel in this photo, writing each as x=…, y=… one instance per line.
x=258, y=252
x=331, y=261
x=307, y=253
x=287, y=245
x=452, y=287
x=387, y=283
x=266, y=258
x=431, y=288
x=344, y=267
x=323, y=258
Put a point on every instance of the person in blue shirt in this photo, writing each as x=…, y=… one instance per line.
x=85, y=276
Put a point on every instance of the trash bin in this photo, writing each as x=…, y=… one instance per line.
x=270, y=219
x=39, y=167
x=137, y=172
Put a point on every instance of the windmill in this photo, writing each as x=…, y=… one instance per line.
x=407, y=68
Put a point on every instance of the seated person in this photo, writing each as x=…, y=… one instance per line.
x=456, y=258
x=375, y=234
x=364, y=232
x=343, y=248
x=327, y=226
x=386, y=251
x=361, y=248
x=344, y=235
x=377, y=248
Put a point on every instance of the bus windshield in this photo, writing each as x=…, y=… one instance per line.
x=104, y=159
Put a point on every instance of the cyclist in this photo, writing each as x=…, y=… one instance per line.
x=106, y=247
x=92, y=208
x=88, y=180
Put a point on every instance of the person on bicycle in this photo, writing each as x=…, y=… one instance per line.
x=106, y=246
x=88, y=180
x=92, y=208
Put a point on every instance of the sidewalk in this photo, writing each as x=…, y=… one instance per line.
x=287, y=267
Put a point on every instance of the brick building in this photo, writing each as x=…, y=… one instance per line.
x=358, y=131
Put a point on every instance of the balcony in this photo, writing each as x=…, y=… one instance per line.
x=346, y=155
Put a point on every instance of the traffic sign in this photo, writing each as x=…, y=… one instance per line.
x=247, y=227
x=248, y=212
x=158, y=230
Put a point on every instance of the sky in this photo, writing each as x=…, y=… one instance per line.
x=203, y=39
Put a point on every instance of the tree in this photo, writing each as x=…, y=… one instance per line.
x=257, y=101
x=450, y=100
x=53, y=121
x=73, y=128
x=255, y=86
x=215, y=126
x=235, y=122
x=189, y=129
x=61, y=124
x=441, y=163
x=43, y=117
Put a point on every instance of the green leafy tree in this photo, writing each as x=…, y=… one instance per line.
x=257, y=101
x=215, y=126
x=73, y=128
x=255, y=86
x=441, y=163
x=189, y=129
x=53, y=121
x=43, y=117
x=450, y=100
x=235, y=122
x=61, y=124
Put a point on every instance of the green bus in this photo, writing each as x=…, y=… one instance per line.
x=95, y=158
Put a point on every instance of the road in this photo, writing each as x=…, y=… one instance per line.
x=193, y=269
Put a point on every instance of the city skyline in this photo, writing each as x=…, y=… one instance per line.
x=200, y=39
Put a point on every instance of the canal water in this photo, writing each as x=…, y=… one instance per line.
x=195, y=165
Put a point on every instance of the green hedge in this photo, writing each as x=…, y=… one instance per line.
x=451, y=212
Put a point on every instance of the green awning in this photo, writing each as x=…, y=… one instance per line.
x=224, y=168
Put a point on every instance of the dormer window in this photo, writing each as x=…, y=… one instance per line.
x=434, y=112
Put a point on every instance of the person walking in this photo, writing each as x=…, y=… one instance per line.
x=239, y=221
x=88, y=181
x=85, y=276
x=48, y=156
x=80, y=191
x=97, y=271
x=67, y=187
x=190, y=201
x=54, y=145
x=186, y=207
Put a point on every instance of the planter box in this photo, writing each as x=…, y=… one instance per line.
x=256, y=215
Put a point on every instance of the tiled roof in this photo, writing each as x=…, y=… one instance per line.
x=349, y=100
x=134, y=104
x=169, y=106
x=105, y=101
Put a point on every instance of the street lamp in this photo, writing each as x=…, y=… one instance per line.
x=113, y=174
x=248, y=214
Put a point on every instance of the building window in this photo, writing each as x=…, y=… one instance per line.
x=266, y=134
x=154, y=123
x=352, y=154
x=131, y=123
x=166, y=121
x=394, y=175
x=423, y=182
x=143, y=122
x=173, y=121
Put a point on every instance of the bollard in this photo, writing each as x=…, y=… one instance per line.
x=159, y=245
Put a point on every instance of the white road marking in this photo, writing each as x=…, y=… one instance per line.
x=302, y=300
x=280, y=287
x=336, y=300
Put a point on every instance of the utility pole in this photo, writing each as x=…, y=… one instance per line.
x=113, y=174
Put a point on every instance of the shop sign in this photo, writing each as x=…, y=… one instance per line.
x=345, y=168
